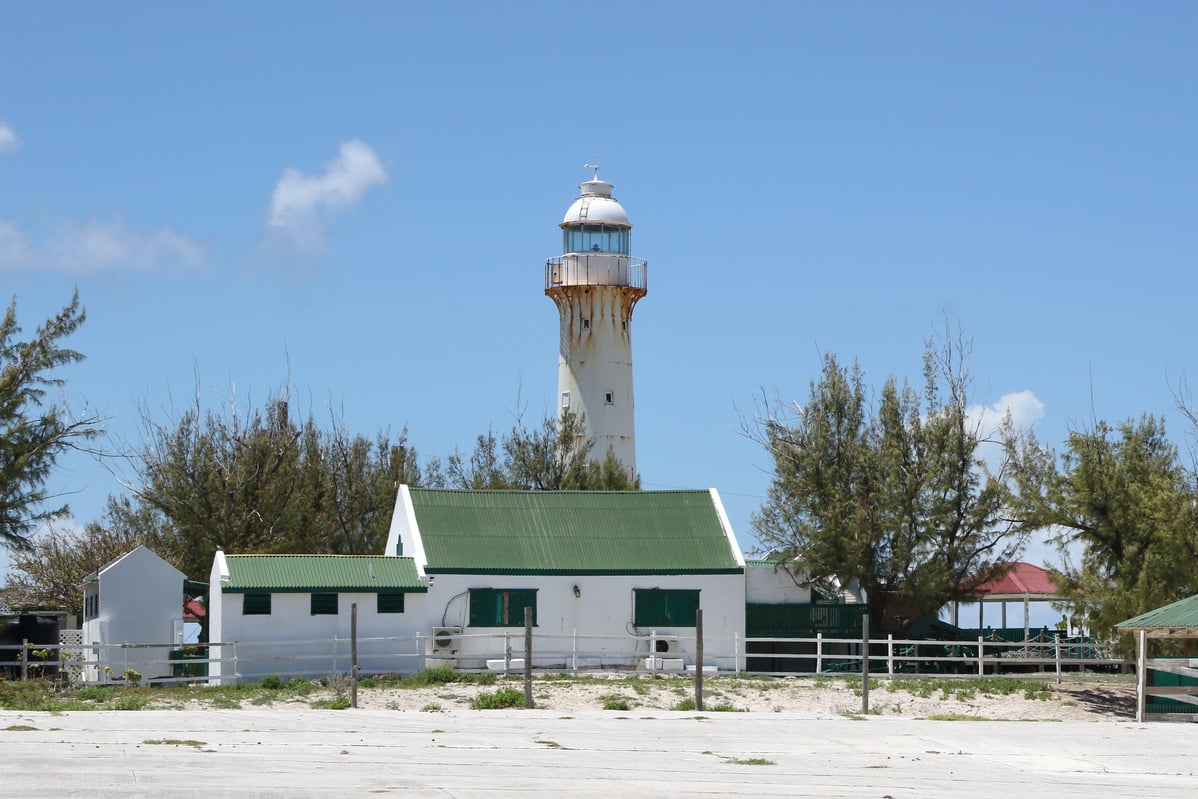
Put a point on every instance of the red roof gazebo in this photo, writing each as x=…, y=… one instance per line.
x=1012, y=582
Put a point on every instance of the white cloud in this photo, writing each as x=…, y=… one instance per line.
x=1024, y=407
x=300, y=202
x=8, y=138
x=95, y=246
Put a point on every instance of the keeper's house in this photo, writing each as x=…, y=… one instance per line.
x=626, y=571
x=291, y=615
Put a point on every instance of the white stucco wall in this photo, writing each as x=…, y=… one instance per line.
x=400, y=538
x=291, y=642
x=140, y=599
x=773, y=586
x=603, y=610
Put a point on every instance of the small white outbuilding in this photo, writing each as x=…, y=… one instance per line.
x=128, y=604
x=292, y=615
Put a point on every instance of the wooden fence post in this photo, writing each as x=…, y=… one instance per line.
x=699, y=659
x=1141, y=673
x=1056, y=642
x=353, y=655
x=865, y=664
x=528, y=657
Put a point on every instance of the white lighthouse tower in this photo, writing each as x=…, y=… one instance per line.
x=595, y=284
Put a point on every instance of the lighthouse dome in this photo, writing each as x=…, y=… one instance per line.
x=596, y=206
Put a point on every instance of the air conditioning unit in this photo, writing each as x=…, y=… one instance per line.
x=664, y=645
x=445, y=640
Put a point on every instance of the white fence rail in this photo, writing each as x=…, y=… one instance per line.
x=164, y=663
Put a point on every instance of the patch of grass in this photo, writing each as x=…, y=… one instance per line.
x=550, y=744
x=722, y=707
x=94, y=693
x=751, y=761
x=966, y=688
x=614, y=702
x=31, y=695
x=336, y=703
x=684, y=705
x=497, y=700
x=131, y=702
x=271, y=682
x=953, y=717
x=431, y=707
x=20, y=728
x=443, y=675
x=174, y=742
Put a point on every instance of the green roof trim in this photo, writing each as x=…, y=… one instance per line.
x=572, y=532
x=1182, y=613
x=300, y=574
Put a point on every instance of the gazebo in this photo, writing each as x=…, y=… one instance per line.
x=1178, y=620
x=1012, y=582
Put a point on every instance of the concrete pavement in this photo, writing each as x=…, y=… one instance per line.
x=521, y=753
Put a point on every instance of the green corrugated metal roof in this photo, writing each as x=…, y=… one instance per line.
x=1182, y=613
x=304, y=573
x=572, y=532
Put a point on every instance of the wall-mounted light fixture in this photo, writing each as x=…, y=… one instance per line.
x=577, y=592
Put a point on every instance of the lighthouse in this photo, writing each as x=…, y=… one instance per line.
x=595, y=284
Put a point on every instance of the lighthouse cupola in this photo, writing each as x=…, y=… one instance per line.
x=595, y=284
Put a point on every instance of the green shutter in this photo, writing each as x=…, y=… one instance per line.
x=255, y=605
x=389, y=603
x=493, y=607
x=324, y=604
x=655, y=607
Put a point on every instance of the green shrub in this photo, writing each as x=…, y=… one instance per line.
x=93, y=693
x=497, y=700
x=330, y=704
x=435, y=676
x=685, y=704
x=271, y=682
x=31, y=695
x=723, y=707
x=443, y=675
x=614, y=702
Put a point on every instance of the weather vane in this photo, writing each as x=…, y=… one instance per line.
x=594, y=167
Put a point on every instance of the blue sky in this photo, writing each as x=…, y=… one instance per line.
x=361, y=196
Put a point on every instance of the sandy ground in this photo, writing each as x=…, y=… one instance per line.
x=1072, y=700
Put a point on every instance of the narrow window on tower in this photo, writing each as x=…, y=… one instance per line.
x=565, y=400
x=586, y=324
x=623, y=324
x=609, y=397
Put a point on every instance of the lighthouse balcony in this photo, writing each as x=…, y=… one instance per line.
x=596, y=270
